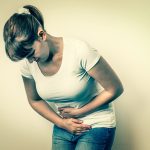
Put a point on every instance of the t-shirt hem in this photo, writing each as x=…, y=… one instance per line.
x=93, y=64
x=29, y=77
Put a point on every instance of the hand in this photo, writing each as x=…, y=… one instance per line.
x=69, y=112
x=75, y=126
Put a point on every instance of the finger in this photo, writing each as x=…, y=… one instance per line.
x=77, y=133
x=61, y=108
x=80, y=132
x=82, y=129
x=86, y=126
x=64, y=110
x=77, y=121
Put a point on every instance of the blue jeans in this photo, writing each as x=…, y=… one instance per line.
x=94, y=139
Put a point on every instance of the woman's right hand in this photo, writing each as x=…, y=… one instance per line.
x=74, y=126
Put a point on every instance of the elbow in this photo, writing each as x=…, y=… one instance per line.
x=32, y=102
x=117, y=91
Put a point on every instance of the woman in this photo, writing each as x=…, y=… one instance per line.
x=69, y=74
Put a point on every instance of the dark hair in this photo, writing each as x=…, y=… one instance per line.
x=20, y=31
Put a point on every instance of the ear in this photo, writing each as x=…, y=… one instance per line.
x=42, y=34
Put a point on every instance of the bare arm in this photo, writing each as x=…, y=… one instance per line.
x=104, y=74
x=41, y=107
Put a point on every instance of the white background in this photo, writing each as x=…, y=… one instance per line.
x=120, y=30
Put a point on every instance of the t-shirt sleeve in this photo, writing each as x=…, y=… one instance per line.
x=89, y=56
x=25, y=70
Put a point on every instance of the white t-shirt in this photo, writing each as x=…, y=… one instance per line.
x=72, y=86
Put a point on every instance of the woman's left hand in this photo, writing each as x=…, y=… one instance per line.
x=69, y=112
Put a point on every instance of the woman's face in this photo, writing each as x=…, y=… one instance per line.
x=40, y=52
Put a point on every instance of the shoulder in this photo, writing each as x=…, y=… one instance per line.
x=81, y=48
x=75, y=41
x=25, y=68
x=79, y=45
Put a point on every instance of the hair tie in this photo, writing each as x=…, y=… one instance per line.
x=23, y=10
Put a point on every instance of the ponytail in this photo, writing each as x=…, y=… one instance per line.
x=36, y=13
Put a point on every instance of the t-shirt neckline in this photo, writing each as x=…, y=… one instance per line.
x=60, y=68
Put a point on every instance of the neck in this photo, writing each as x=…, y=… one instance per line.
x=55, y=47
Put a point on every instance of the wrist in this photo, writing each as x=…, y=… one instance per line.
x=82, y=112
x=60, y=123
x=79, y=112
